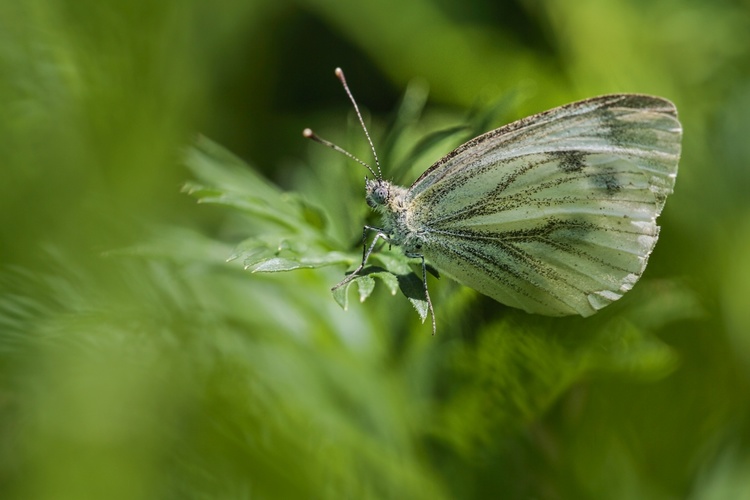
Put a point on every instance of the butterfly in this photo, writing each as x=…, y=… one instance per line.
x=554, y=214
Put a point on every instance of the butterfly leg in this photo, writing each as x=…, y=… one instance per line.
x=366, y=251
x=426, y=292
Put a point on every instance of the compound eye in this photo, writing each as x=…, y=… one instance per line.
x=380, y=195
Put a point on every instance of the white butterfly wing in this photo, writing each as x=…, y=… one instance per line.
x=556, y=213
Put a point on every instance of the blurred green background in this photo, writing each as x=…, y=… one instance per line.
x=135, y=362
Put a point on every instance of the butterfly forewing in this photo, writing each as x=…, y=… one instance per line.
x=555, y=213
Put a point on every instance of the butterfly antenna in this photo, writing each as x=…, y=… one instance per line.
x=340, y=75
x=309, y=134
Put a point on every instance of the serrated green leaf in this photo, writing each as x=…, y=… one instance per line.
x=366, y=279
x=341, y=296
x=256, y=256
x=413, y=288
x=398, y=275
x=389, y=279
x=214, y=165
x=365, y=286
x=365, y=282
x=277, y=264
x=199, y=190
x=395, y=262
x=326, y=259
x=224, y=179
x=421, y=307
x=257, y=207
x=407, y=280
x=254, y=250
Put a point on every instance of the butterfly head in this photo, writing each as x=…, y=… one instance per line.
x=377, y=192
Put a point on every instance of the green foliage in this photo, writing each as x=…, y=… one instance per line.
x=152, y=347
x=296, y=237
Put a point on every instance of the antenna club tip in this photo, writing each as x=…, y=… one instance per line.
x=308, y=133
x=338, y=72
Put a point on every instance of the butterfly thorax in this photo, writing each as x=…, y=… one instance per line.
x=390, y=201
